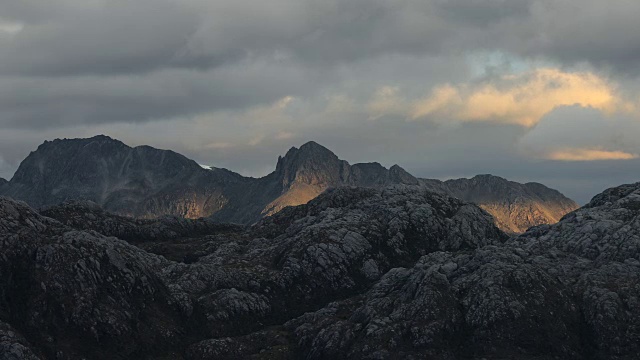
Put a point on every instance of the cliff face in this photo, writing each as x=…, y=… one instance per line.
x=307, y=172
x=515, y=207
x=397, y=272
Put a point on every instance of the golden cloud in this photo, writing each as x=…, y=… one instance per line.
x=583, y=154
x=520, y=99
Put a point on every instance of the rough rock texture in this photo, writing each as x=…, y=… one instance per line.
x=516, y=207
x=14, y=346
x=74, y=292
x=359, y=273
x=568, y=290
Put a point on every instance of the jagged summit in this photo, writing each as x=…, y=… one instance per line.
x=305, y=172
x=312, y=146
x=309, y=151
x=312, y=163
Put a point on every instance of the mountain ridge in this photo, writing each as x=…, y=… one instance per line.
x=146, y=182
x=129, y=180
x=515, y=206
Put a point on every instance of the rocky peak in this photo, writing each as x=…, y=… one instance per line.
x=99, y=169
x=55, y=156
x=98, y=155
x=309, y=153
x=400, y=175
x=304, y=173
x=311, y=164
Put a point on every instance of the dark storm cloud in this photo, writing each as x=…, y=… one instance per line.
x=120, y=37
x=123, y=37
x=107, y=37
x=599, y=32
x=482, y=13
x=235, y=83
x=98, y=38
x=34, y=102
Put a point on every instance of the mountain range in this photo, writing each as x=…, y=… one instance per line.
x=145, y=182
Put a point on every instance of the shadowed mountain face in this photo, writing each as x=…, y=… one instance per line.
x=305, y=173
x=146, y=182
x=514, y=206
x=357, y=273
x=140, y=181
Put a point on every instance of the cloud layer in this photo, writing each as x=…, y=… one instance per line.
x=445, y=88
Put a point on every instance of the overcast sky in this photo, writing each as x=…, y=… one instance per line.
x=531, y=90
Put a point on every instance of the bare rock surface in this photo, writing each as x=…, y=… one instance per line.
x=363, y=273
x=13, y=346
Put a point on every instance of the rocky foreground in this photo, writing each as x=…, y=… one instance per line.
x=398, y=272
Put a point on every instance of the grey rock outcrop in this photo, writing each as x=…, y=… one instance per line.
x=398, y=272
x=516, y=207
x=13, y=346
x=568, y=290
x=78, y=293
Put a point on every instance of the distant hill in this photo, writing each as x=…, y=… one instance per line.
x=146, y=182
x=515, y=207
